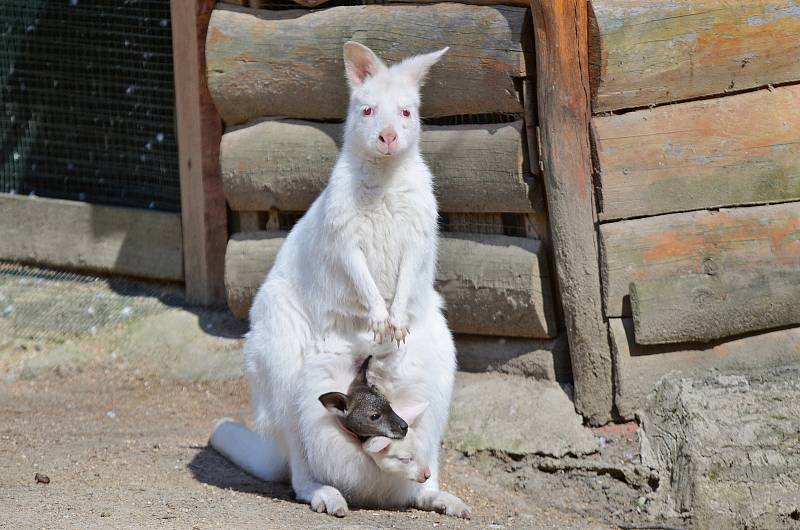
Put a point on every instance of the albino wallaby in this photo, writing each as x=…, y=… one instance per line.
x=359, y=264
x=385, y=436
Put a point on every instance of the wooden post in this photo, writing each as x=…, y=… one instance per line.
x=199, y=130
x=560, y=37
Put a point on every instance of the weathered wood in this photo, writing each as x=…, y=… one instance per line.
x=199, y=129
x=543, y=359
x=286, y=164
x=638, y=368
x=289, y=63
x=252, y=221
x=727, y=243
x=78, y=235
x=248, y=259
x=646, y=52
x=719, y=152
x=560, y=31
x=492, y=285
x=475, y=223
x=496, y=285
x=714, y=305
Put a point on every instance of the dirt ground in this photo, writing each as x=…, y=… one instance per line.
x=125, y=449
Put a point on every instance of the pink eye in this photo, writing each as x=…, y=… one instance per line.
x=406, y=113
x=367, y=111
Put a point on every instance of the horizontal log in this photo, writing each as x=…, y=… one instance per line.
x=715, y=304
x=543, y=359
x=639, y=368
x=646, y=52
x=78, y=235
x=286, y=164
x=492, y=285
x=289, y=63
x=727, y=243
x=703, y=154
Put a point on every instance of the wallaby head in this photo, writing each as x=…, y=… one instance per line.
x=363, y=410
x=403, y=457
x=383, y=117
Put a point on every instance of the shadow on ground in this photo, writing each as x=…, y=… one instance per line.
x=210, y=467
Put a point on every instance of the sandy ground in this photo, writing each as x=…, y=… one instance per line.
x=124, y=449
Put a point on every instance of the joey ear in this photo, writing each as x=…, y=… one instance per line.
x=360, y=63
x=361, y=376
x=418, y=66
x=335, y=402
x=411, y=412
x=376, y=444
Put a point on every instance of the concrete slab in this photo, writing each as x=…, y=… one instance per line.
x=516, y=415
x=727, y=447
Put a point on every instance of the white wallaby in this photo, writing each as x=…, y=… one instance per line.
x=354, y=276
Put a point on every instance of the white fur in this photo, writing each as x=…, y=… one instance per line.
x=359, y=264
x=406, y=456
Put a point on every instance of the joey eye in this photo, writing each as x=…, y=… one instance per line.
x=406, y=113
x=405, y=460
x=375, y=417
x=366, y=111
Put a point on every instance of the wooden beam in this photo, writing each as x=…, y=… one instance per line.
x=543, y=359
x=638, y=368
x=199, y=130
x=492, y=284
x=703, y=154
x=476, y=168
x=560, y=32
x=729, y=243
x=716, y=303
x=289, y=63
x=81, y=236
x=647, y=52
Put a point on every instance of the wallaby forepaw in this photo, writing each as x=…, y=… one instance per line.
x=328, y=500
x=449, y=504
x=398, y=330
x=379, y=326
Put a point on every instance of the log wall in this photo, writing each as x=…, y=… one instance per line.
x=648, y=52
x=477, y=168
x=277, y=78
x=696, y=128
x=289, y=63
x=492, y=284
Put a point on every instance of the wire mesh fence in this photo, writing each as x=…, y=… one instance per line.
x=87, y=101
x=46, y=304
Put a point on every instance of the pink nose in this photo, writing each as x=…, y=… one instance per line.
x=388, y=137
x=424, y=475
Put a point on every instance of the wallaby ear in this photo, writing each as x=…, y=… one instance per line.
x=417, y=67
x=361, y=376
x=376, y=444
x=411, y=412
x=360, y=63
x=335, y=402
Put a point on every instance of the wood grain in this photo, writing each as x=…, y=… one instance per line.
x=286, y=164
x=289, y=63
x=78, y=235
x=492, y=284
x=646, y=52
x=560, y=31
x=639, y=368
x=726, y=243
x=199, y=129
x=704, y=154
x=715, y=304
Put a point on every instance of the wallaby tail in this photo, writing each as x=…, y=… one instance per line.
x=247, y=450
